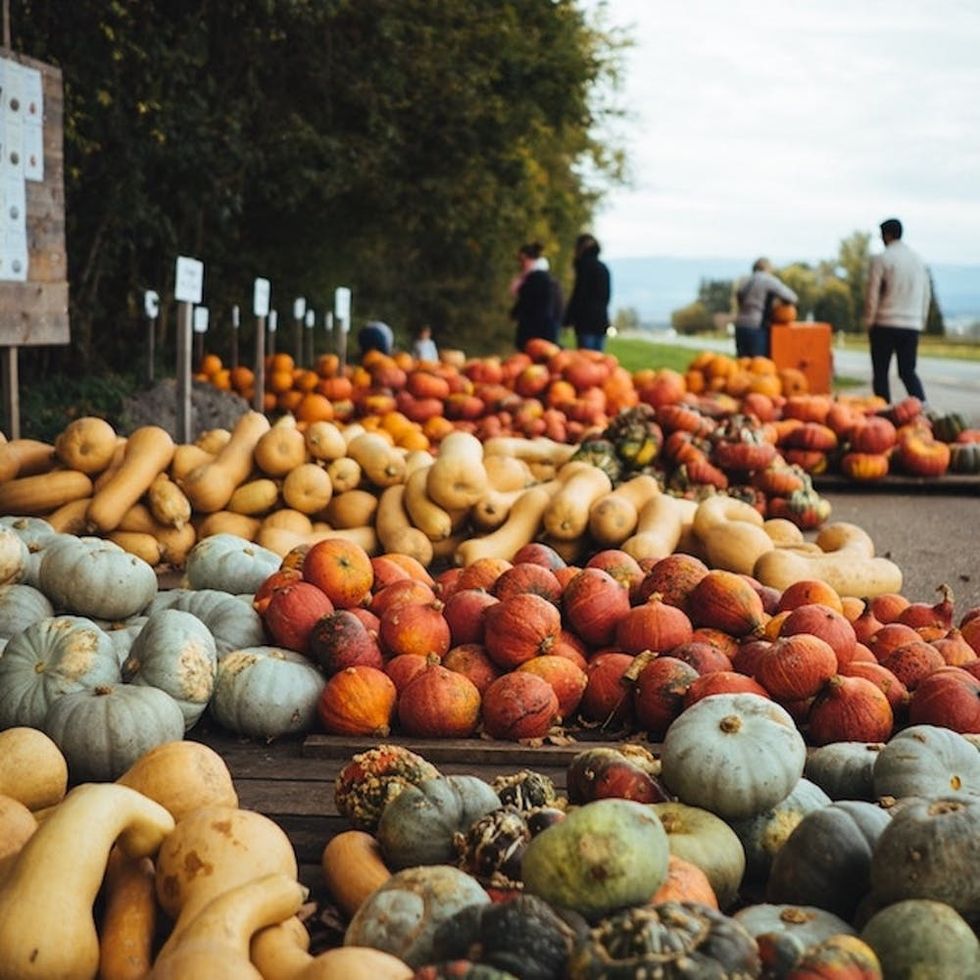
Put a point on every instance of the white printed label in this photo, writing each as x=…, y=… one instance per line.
x=260, y=297
x=189, y=284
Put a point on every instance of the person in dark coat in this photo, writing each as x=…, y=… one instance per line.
x=537, y=304
x=588, y=309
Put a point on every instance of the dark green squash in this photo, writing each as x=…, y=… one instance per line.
x=670, y=941
x=964, y=457
x=762, y=836
x=925, y=760
x=523, y=936
x=826, y=861
x=492, y=848
x=923, y=940
x=525, y=790
x=931, y=849
x=418, y=826
x=844, y=770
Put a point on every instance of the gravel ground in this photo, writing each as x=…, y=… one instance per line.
x=210, y=408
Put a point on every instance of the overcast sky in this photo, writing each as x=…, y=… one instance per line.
x=781, y=126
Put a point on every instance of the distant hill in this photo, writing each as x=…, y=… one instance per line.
x=657, y=285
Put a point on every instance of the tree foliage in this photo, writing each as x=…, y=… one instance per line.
x=402, y=147
x=717, y=295
x=693, y=318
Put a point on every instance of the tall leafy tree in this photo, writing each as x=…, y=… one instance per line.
x=717, y=295
x=853, y=258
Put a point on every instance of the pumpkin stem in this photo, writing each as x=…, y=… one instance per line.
x=102, y=690
x=731, y=724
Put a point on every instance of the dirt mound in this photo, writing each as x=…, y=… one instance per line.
x=210, y=408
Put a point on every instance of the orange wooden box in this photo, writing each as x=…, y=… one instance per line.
x=806, y=347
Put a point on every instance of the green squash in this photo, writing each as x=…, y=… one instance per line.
x=733, y=754
x=763, y=835
x=265, y=692
x=947, y=427
x=51, y=658
x=123, y=634
x=925, y=760
x=175, y=652
x=402, y=916
x=36, y=533
x=923, y=940
x=234, y=624
x=705, y=840
x=13, y=557
x=844, y=770
x=602, y=856
x=104, y=730
x=784, y=932
x=964, y=457
x=93, y=577
x=826, y=861
x=229, y=563
x=670, y=941
x=21, y=606
x=418, y=826
x=925, y=852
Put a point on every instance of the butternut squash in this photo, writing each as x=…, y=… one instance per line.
x=182, y=777
x=25, y=457
x=212, y=441
x=70, y=518
x=783, y=532
x=225, y=522
x=168, y=503
x=354, y=508
x=364, y=536
x=324, y=441
x=187, y=458
x=445, y=550
x=846, y=562
x=70, y=850
x=732, y=534
x=144, y=546
x=537, y=450
x=506, y=473
x=457, y=478
x=35, y=495
x=566, y=517
x=281, y=449
x=613, y=517
x=659, y=527
x=17, y=826
x=118, y=456
x=307, y=488
x=281, y=540
x=215, y=945
x=290, y=520
x=353, y=867
x=395, y=531
x=378, y=460
x=491, y=510
x=174, y=543
x=86, y=444
x=417, y=459
x=345, y=474
x=149, y=451
x=209, y=487
x=431, y=519
x=520, y=528
x=129, y=920
x=255, y=498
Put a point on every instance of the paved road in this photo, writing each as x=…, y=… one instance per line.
x=951, y=385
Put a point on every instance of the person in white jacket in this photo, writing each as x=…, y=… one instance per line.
x=895, y=311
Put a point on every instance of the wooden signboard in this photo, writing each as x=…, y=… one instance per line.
x=33, y=300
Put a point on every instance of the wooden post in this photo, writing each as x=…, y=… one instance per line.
x=310, y=321
x=235, y=321
x=151, y=307
x=258, y=397
x=184, y=314
x=273, y=330
x=11, y=391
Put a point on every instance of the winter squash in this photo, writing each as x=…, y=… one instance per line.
x=232, y=622
x=20, y=606
x=340, y=639
x=92, y=577
x=266, y=692
x=439, y=703
x=623, y=862
x=593, y=603
x=844, y=770
x=103, y=730
x=949, y=697
x=357, y=700
x=736, y=755
x=519, y=705
x=402, y=916
x=229, y=564
x=49, y=659
x=796, y=667
x=353, y=868
x=32, y=769
x=828, y=624
x=605, y=772
x=924, y=760
x=724, y=600
x=607, y=698
x=565, y=677
x=674, y=578
x=659, y=694
x=59, y=939
x=175, y=652
x=826, y=861
x=653, y=625
x=849, y=709
x=416, y=628
x=293, y=612
x=519, y=628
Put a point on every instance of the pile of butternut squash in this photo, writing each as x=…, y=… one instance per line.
x=166, y=843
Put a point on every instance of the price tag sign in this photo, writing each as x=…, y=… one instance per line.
x=201, y=316
x=341, y=303
x=151, y=304
x=260, y=297
x=273, y=321
x=236, y=317
x=310, y=319
x=299, y=308
x=189, y=281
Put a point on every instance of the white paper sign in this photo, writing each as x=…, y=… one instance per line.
x=299, y=308
x=236, y=317
x=201, y=316
x=189, y=280
x=260, y=297
x=273, y=321
x=341, y=303
x=310, y=318
x=151, y=303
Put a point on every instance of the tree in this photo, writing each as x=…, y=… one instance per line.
x=802, y=279
x=853, y=258
x=627, y=320
x=935, y=324
x=834, y=305
x=693, y=318
x=717, y=295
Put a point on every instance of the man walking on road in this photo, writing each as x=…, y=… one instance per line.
x=895, y=311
